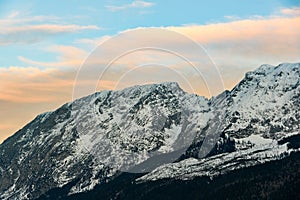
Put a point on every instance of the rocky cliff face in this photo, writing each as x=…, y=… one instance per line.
x=158, y=130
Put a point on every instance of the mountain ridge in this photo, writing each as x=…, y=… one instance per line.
x=92, y=139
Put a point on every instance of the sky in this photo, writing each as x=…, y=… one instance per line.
x=51, y=49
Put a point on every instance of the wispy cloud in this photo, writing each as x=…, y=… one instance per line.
x=247, y=43
x=16, y=29
x=287, y=12
x=232, y=17
x=69, y=57
x=244, y=42
x=134, y=4
x=46, y=28
x=295, y=11
x=243, y=45
x=13, y=14
x=17, y=18
x=246, y=29
x=92, y=42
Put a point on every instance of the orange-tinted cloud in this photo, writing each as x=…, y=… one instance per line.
x=243, y=45
x=69, y=56
x=30, y=84
x=236, y=47
x=274, y=28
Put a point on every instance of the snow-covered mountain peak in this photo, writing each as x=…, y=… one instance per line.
x=281, y=67
x=285, y=73
x=264, y=67
x=146, y=88
x=269, y=99
x=88, y=141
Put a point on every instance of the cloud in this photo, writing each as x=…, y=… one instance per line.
x=28, y=91
x=16, y=29
x=17, y=18
x=134, y=4
x=243, y=45
x=295, y=11
x=46, y=28
x=13, y=14
x=93, y=42
x=242, y=30
x=69, y=57
x=29, y=34
x=232, y=17
x=31, y=84
x=236, y=47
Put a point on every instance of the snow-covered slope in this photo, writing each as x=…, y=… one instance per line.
x=264, y=105
x=265, y=102
x=89, y=141
x=262, y=110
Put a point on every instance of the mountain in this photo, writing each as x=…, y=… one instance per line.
x=124, y=144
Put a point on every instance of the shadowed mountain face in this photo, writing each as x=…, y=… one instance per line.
x=154, y=133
